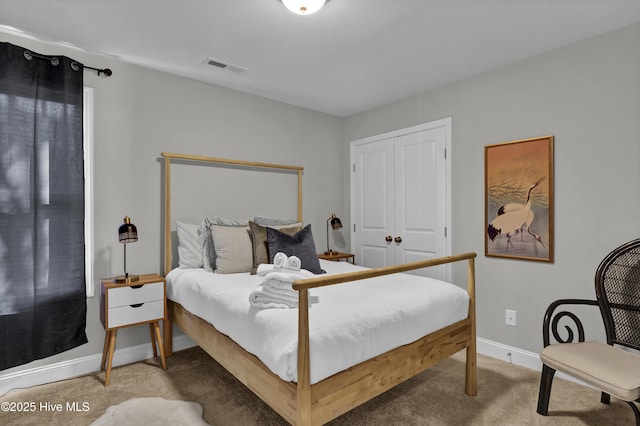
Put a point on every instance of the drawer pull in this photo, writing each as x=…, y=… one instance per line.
x=137, y=305
x=137, y=286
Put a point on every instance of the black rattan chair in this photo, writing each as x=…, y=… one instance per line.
x=608, y=367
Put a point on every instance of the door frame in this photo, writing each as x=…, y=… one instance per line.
x=444, y=122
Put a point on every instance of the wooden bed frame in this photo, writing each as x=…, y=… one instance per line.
x=301, y=403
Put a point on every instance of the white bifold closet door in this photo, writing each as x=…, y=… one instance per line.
x=399, y=198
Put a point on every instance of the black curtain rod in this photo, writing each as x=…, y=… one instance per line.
x=106, y=71
x=74, y=65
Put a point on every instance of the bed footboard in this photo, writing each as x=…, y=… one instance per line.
x=408, y=360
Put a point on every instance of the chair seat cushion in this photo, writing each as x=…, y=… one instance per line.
x=608, y=368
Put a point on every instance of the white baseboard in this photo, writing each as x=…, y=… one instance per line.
x=509, y=354
x=81, y=366
x=517, y=356
x=90, y=364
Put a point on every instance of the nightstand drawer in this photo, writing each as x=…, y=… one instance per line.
x=128, y=315
x=130, y=295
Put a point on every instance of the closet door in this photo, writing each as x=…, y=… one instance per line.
x=400, y=197
x=420, y=194
x=373, y=209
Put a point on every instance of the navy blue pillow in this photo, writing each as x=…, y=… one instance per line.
x=300, y=245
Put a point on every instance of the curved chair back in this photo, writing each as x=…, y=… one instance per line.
x=618, y=293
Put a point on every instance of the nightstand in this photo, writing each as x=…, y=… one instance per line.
x=336, y=256
x=127, y=304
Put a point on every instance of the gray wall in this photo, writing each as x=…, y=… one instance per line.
x=588, y=96
x=140, y=113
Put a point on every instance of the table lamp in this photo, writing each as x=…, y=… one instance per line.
x=128, y=233
x=335, y=225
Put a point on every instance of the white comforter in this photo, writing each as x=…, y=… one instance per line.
x=348, y=323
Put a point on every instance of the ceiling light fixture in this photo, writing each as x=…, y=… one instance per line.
x=303, y=7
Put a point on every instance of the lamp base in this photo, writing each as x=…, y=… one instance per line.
x=127, y=278
x=330, y=253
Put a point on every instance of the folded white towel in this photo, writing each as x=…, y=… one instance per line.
x=279, y=260
x=277, y=285
x=283, y=280
x=288, y=276
x=270, y=298
x=276, y=291
x=265, y=268
x=282, y=293
x=293, y=263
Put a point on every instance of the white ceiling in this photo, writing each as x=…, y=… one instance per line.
x=351, y=56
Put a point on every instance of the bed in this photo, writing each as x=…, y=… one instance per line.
x=310, y=387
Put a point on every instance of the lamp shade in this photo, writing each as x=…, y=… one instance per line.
x=335, y=222
x=303, y=7
x=128, y=233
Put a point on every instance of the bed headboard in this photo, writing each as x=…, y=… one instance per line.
x=168, y=157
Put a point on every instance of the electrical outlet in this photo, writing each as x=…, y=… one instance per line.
x=510, y=317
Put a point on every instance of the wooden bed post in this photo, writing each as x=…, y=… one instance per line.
x=167, y=327
x=167, y=215
x=471, y=376
x=299, y=195
x=304, y=361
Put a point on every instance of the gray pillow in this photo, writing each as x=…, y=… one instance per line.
x=275, y=222
x=300, y=244
x=259, y=240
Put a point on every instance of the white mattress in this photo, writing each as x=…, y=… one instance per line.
x=348, y=323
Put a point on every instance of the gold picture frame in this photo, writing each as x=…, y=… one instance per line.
x=518, y=187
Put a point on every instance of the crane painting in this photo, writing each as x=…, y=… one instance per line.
x=513, y=218
x=518, y=189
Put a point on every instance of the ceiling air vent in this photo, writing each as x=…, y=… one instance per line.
x=225, y=65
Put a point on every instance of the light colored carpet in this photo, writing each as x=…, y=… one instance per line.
x=507, y=395
x=152, y=412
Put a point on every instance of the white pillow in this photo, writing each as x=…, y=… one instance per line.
x=234, y=252
x=189, y=250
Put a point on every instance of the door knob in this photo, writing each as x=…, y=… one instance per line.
x=388, y=238
x=398, y=239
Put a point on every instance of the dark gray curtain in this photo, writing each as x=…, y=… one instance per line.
x=42, y=276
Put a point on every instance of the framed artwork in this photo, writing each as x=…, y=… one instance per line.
x=518, y=187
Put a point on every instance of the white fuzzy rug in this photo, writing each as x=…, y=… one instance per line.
x=152, y=412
